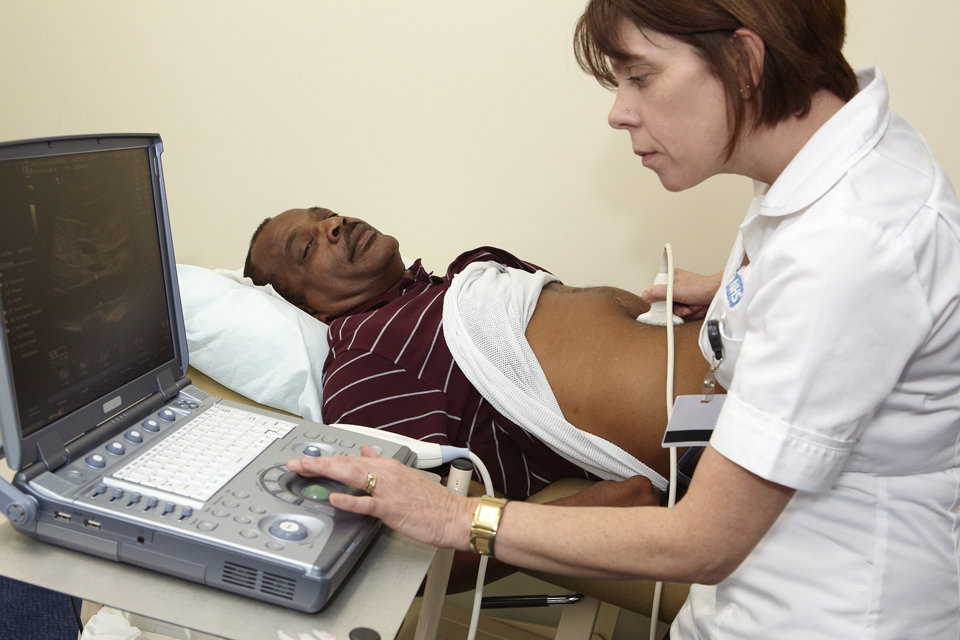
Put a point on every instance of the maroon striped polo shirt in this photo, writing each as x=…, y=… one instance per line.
x=389, y=368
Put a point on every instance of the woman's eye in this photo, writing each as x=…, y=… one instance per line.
x=638, y=80
x=306, y=249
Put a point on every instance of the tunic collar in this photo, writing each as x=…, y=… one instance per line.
x=839, y=144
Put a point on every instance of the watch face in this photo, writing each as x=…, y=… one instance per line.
x=487, y=516
x=483, y=529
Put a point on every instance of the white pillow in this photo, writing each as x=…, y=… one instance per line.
x=251, y=340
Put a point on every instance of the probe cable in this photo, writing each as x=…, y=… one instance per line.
x=482, y=571
x=672, y=488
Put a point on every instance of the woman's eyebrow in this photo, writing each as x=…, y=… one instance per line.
x=633, y=61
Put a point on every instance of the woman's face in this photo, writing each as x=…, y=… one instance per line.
x=672, y=106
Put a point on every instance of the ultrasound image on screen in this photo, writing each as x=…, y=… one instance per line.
x=81, y=279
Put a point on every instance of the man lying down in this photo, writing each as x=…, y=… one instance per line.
x=542, y=381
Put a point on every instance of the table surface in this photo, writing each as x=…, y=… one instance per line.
x=377, y=595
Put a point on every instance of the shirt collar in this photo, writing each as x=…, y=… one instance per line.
x=839, y=144
x=414, y=275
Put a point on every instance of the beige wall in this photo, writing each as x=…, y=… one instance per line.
x=447, y=124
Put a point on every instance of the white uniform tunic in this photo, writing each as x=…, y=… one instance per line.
x=842, y=362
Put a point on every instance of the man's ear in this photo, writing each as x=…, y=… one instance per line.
x=753, y=50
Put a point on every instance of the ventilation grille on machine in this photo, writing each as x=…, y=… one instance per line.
x=269, y=583
x=240, y=576
x=278, y=586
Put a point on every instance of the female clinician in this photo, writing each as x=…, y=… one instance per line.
x=826, y=504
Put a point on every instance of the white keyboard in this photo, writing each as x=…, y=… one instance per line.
x=202, y=455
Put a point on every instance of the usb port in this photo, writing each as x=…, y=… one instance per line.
x=92, y=524
x=60, y=515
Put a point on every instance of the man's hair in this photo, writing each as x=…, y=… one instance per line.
x=262, y=276
x=803, y=40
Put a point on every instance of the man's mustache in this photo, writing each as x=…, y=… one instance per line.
x=348, y=229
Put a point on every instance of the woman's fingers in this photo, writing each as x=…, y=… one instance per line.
x=402, y=497
x=354, y=504
x=692, y=293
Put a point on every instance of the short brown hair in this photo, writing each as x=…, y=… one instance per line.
x=803, y=40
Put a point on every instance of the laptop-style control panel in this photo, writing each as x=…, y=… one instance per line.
x=261, y=508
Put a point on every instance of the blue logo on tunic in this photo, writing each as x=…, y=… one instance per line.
x=735, y=290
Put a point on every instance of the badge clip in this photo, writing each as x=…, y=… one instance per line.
x=708, y=389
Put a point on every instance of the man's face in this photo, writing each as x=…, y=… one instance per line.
x=332, y=263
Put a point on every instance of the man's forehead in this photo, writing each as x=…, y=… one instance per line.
x=284, y=227
x=273, y=243
x=281, y=230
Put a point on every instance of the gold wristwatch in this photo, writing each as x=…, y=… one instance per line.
x=483, y=529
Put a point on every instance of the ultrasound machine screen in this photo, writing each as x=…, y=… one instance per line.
x=81, y=279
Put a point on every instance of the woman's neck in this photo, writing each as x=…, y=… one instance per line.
x=765, y=152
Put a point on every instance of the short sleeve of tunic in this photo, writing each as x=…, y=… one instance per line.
x=835, y=313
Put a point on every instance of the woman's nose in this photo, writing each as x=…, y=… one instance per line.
x=621, y=116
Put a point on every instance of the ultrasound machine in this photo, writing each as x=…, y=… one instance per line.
x=116, y=453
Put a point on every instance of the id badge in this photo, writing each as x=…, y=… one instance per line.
x=692, y=421
x=693, y=417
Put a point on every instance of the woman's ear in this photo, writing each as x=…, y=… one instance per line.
x=752, y=47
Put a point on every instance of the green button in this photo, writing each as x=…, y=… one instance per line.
x=316, y=492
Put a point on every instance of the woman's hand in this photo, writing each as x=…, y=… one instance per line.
x=692, y=293
x=403, y=498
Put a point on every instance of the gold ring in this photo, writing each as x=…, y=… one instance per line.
x=371, y=483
